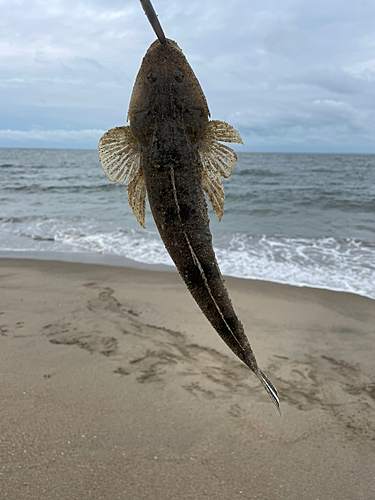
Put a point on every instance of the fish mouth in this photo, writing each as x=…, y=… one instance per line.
x=170, y=43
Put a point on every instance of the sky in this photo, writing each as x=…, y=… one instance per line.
x=289, y=75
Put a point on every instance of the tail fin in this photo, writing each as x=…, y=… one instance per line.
x=269, y=388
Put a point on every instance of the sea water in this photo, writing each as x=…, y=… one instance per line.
x=301, y=219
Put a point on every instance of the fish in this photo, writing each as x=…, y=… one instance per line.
x=172, y=153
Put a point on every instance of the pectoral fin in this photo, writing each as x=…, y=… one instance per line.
x=119, y=156
x=137, y=197
x=218, y=161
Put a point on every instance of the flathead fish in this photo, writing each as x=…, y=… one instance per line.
x=173, y=153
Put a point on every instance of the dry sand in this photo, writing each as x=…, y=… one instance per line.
x=114, y=386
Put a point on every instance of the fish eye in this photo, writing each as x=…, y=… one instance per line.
x=178, y=76
x=151, y=77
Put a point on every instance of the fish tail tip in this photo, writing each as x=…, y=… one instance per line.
x=272, y=392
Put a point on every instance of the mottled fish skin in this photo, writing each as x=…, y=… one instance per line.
x=169, y=120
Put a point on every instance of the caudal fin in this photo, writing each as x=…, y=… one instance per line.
x=269, y=388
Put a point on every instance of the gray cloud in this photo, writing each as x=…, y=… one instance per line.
x=334, y=79
x=83, y=138
x=289, y=75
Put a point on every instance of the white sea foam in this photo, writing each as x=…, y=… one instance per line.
x=148, y=249
x=347, y=265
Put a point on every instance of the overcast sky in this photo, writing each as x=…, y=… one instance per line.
x=290, y=75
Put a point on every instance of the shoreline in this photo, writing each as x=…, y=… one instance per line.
x=124, y=262
x=114, y=385
x=84, y=258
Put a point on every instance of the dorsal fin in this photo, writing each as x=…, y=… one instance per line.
x=120, y=158
x=218, y=161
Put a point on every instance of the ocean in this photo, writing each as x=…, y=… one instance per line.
x=301, y=219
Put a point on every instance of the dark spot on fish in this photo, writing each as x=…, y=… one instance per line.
x=193, y=275
x=179, y=76
x=183, y=191
x=152, y=77
x=232, y=322
x=170, y=215
x=186, y=212
x=211, y=272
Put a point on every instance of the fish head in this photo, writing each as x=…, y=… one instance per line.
x=166, y=88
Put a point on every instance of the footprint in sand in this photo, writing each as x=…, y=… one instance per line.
x=154, y=355
x=149, y=353
x=334, y=385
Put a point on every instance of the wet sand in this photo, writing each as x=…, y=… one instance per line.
x=113, y=385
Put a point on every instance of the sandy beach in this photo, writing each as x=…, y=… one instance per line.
x=113, y=385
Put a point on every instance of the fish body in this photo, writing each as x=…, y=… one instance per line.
x=172, y=153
